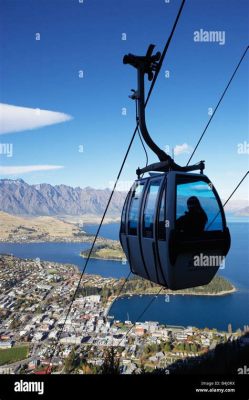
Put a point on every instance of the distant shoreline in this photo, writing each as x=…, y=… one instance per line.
x=176, y=293
x=87, y=238
x=144, y=291
x=40, y=229
x=179, y=293
x=101, y=258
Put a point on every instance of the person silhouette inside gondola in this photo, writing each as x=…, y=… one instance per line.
x=194, y=220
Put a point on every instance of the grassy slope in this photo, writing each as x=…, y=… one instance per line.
x=107, y=251
x=13, y=354
x=31, y=227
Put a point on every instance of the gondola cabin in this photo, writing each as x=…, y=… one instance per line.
x=173, y=227
x=169, y=240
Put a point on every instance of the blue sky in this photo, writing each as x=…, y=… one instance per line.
x=44, y=74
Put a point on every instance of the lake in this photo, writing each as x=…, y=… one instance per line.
x=109, y=231
x=68, y=253
x=200, y=311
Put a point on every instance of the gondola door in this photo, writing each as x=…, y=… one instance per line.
x=131, y=240
x=199, y=238
x=161, y=235
x=148, y=231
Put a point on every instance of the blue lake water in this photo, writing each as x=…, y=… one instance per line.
x=198, y=311
x=109, y=231
x=68, y=253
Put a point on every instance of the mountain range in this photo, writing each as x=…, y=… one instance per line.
x=19, y=198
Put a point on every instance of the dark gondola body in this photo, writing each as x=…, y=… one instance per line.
x=156, y=248
x=173, y=227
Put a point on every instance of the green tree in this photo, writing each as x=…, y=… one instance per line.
x=15, y=323
x=187, y=347
x=180, y=347
x=167, y=346
x=69, y=362
x=194, y=348
x=111, y=363
x=153, y=348
x=147, y=350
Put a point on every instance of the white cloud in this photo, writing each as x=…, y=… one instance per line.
x=24, y=169
x=201, y=188
x=182, y=149
x=16, y=119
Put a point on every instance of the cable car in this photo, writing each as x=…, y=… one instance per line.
x=173, y=228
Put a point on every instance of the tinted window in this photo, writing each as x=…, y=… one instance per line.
x=197, y=209
x=149, y=210
x=162, y=219
x=123, y=215
x=134, y=208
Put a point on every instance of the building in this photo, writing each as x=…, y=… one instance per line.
x=5, y=345
x=71, y=340
x=92, y=299
x=6, y=370
x=139, y=330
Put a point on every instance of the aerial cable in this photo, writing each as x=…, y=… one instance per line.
x=118, y=176
x=244, y=177
x=223, y=205
x=146, y=154
x=159, y=291
x=140, y=135
x=123, y=285
x=217, y=106
x=142, y=313
x=164, y=52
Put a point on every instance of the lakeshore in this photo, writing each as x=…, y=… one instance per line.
x=46, y=229
x=32, y=313
x=221, y=308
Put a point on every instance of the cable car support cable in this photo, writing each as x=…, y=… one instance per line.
x=114, y=187
x=218, y=104
x=159, y=291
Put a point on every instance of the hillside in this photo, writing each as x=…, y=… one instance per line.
x=15, y=228
x=244, y=212
x=19, y=198
x=111, y=250
x=219, y=286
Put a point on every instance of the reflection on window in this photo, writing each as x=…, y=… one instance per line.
x=149, y=210
x=123, y=215
x=197, y=209
x=134, y=209
x=162, y=219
